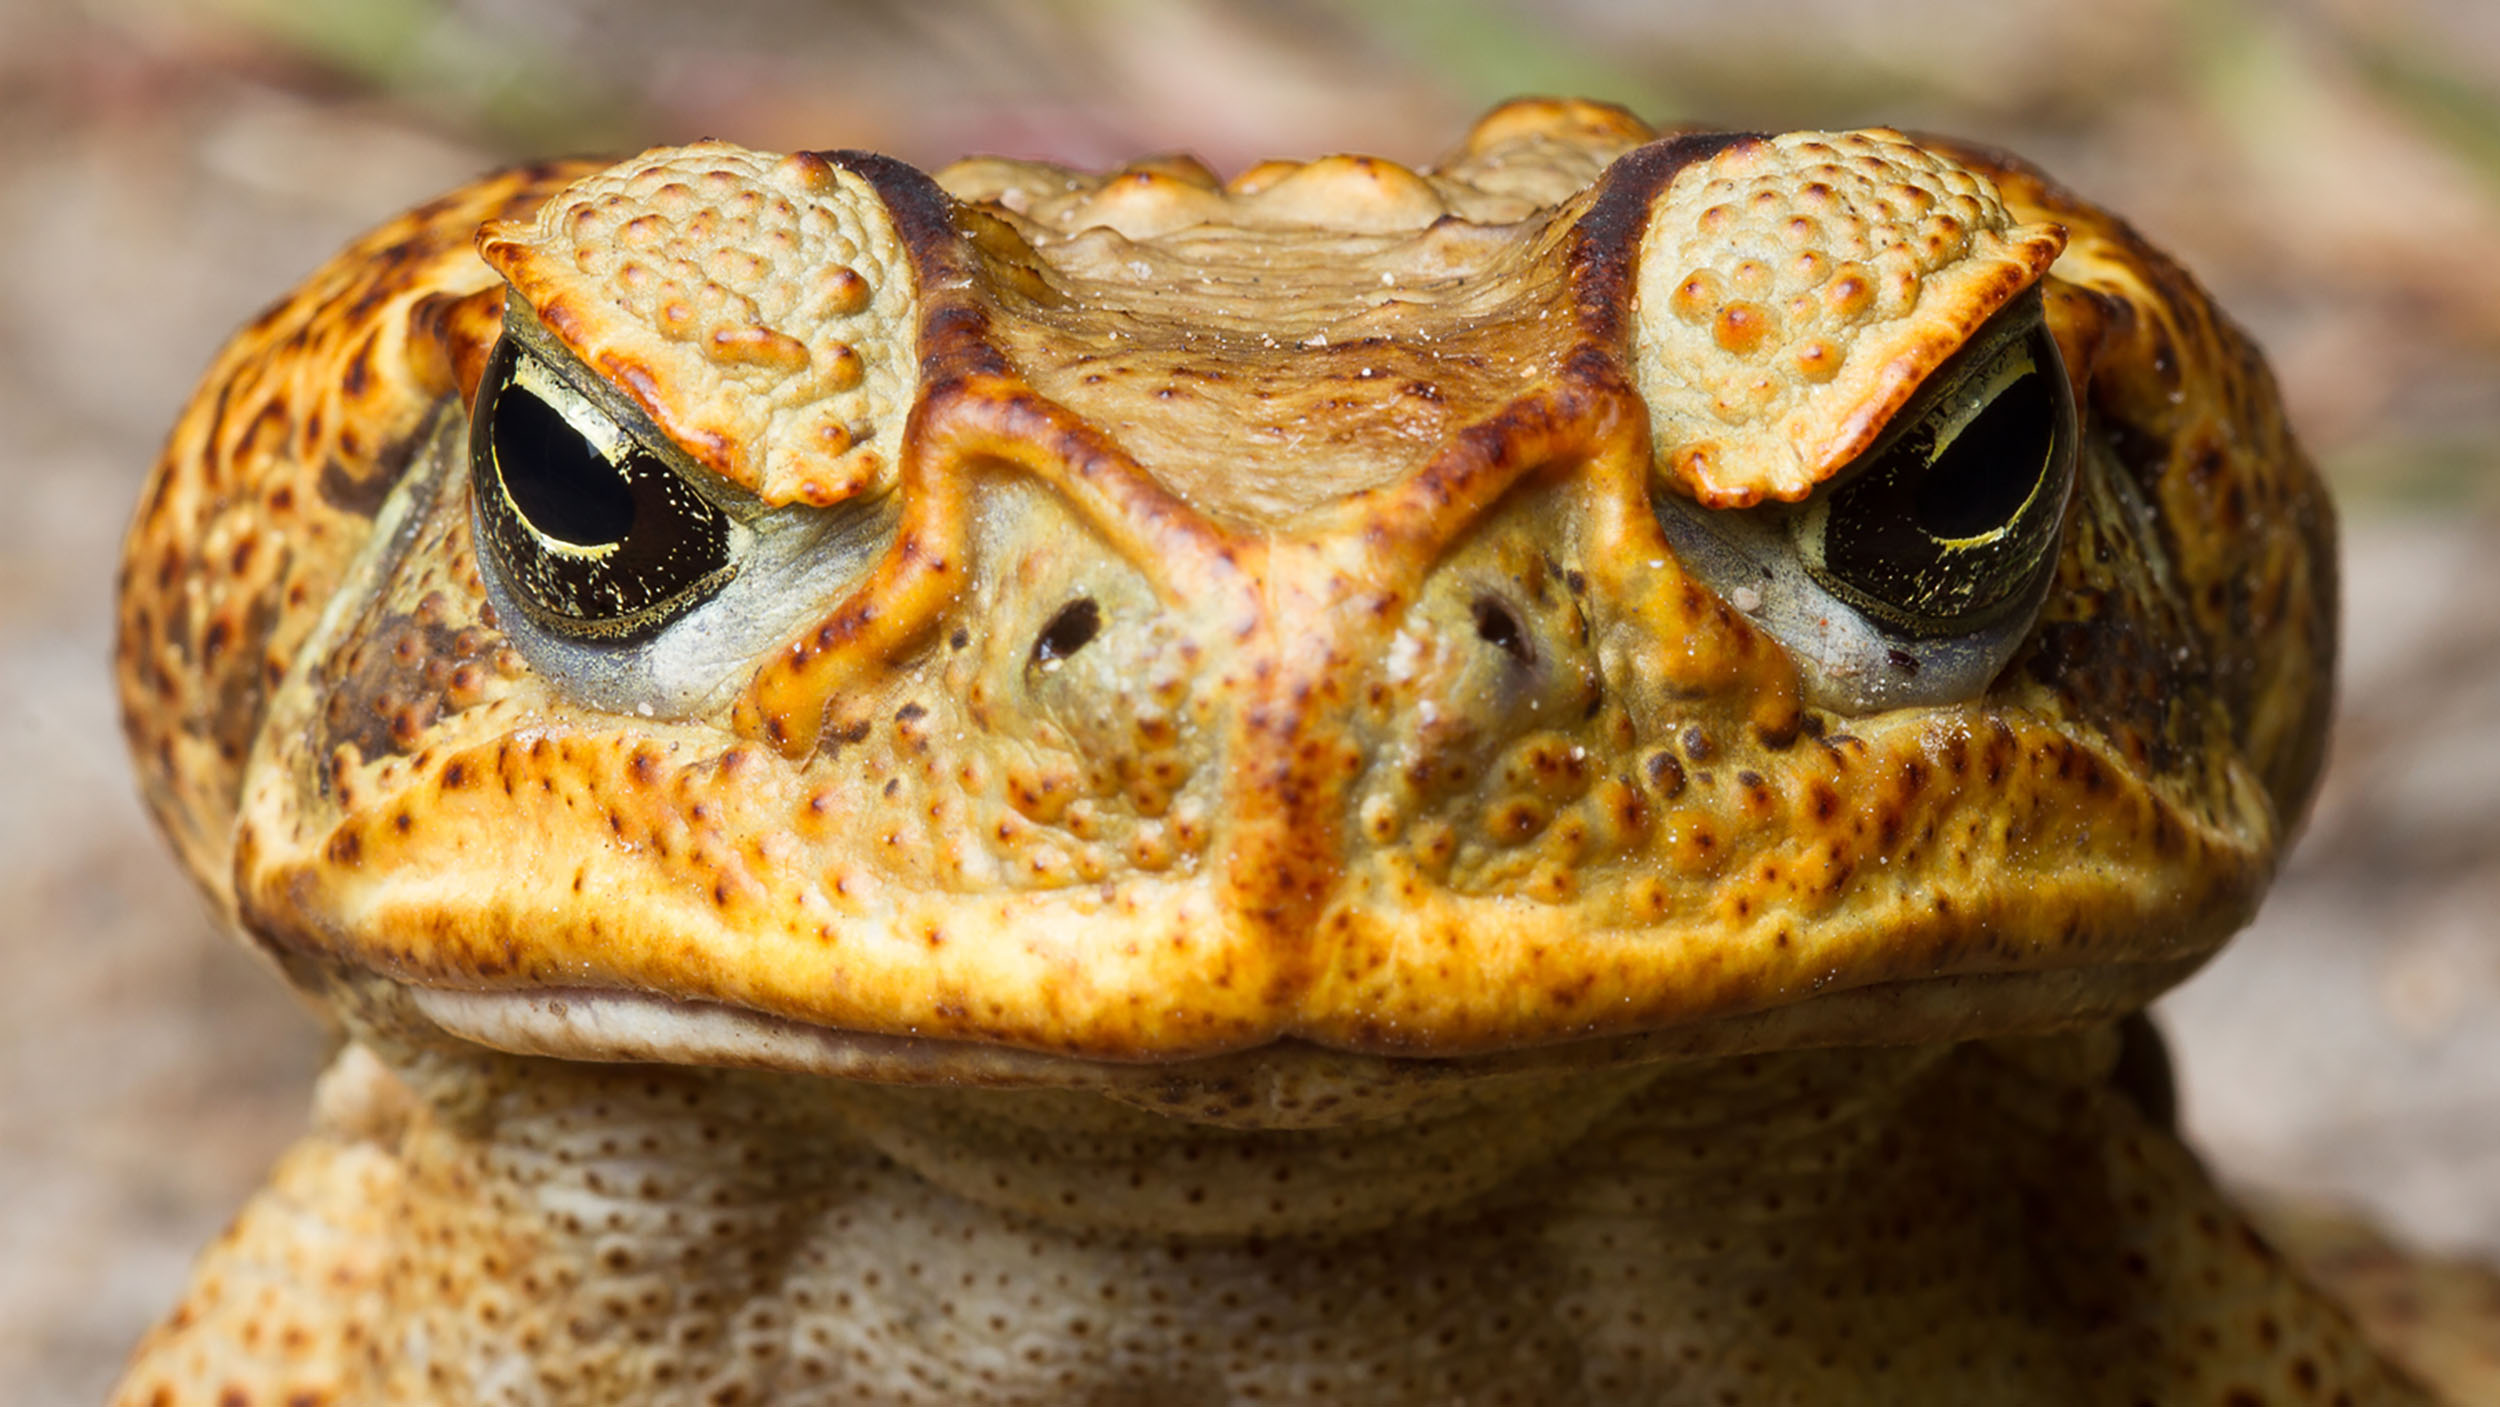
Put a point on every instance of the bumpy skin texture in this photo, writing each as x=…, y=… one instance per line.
x=1266, y=880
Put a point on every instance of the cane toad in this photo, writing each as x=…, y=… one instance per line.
x=1549, y=780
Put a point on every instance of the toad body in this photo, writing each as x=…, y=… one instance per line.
x=1551, y=780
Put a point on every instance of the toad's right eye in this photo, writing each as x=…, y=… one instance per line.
x=592, y=532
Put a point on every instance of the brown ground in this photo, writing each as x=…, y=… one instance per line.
x=2333, y=168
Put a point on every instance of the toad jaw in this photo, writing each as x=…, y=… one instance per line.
x=1421, y=740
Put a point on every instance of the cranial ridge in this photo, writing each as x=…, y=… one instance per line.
x=758, y=307
x=1795, y=290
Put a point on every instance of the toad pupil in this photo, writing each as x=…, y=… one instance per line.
x=1967, y=493
x=561, y=486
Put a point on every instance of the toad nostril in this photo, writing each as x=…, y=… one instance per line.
x=1498, y=625
x=1068, y=632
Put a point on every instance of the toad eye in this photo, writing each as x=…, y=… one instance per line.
x=1953, y=517
x=594, y=534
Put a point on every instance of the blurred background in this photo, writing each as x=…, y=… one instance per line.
x=2331, y=167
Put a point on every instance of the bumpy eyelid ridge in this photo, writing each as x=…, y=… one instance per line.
x=1796, y=292
x=761, y=310
x=547, y=356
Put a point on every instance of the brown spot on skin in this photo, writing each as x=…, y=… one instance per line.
x=1822, y=802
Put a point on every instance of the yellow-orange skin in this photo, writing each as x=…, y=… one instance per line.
x=1286, y=826
x=1252, y=832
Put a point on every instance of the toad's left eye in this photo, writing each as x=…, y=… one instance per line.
x=591, y=531
x=1951, y=519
